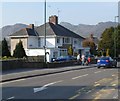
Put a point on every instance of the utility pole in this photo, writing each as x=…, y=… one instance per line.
x=115, y=32
x=45, y=31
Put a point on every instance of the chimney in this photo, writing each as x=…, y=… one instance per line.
x=91, y=36
x=31, y=26
x=53, y=19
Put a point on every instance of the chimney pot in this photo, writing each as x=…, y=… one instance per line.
x=31, y=26
x=53, y=19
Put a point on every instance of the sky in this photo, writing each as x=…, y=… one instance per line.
x=75, y=12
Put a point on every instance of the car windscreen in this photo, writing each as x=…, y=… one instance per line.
x=104, y=58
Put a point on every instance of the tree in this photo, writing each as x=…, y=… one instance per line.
x=19, y=51
x=5, y=50
x=0, y=49
x=107, y=52
x=91, y=44
x=109, y=38
x=118, y=40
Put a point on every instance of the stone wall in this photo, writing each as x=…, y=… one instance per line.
x=16, y=64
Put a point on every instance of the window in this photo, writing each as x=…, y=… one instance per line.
x=63, y=52
x=58, y=40
x=55, y=54
x=63, y=40
x=75, y=41
x=39, y=43
x=67, y=40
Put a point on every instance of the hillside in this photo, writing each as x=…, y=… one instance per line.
x=81, y=29
x=86, y=30
x=8, y=30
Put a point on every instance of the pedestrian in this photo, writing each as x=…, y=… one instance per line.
x=83, y=59
x=78, y=58
x=89, y=60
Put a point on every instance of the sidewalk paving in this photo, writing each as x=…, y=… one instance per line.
x=26, y=73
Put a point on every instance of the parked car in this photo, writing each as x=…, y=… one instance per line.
x=64, y=58
x=106, y=62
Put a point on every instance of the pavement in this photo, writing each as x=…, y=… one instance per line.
x=26, y=73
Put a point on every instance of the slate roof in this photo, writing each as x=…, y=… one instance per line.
x=56, y=29
x=24, y=32
x=51, y=29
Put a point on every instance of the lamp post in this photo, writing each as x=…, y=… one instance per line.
x=45, y=30
x=115, y=44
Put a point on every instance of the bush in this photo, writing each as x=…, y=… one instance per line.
x=19, y=51
x=5, y=50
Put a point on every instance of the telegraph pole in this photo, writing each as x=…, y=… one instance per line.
x=115, y=31
x=45, y=31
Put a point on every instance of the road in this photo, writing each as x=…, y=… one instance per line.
x=89, y=83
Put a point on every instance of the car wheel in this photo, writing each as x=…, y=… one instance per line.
x=98, y=67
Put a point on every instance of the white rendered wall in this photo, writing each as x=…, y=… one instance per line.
x=32, y=42
x=50, y=42
x=37, y=52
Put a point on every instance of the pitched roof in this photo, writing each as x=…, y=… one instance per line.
x=41, y=30
x=51, y=29
x=20, y=33
x=55, y=29
x=25, y=31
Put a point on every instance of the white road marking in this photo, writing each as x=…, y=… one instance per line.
x=114, y=84
x=11, y=97
x=39, y=89
x=82, y=88
x=73, y=97
x=97, y=72
x=115, y=97
x=96, y=85
x=45, y=86
x=113, y=75
x=89, y=91
x=79, y=76
x=12, y=81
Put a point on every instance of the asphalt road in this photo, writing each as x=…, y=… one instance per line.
x=89, y=83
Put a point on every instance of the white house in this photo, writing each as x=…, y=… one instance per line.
x=58, y=39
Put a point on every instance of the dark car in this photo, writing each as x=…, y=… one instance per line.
x=64, y=58
x=106, y=62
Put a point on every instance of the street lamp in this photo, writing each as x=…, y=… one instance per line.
x=115, y=45
x=45, y=31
